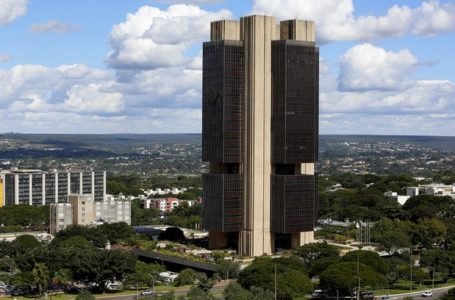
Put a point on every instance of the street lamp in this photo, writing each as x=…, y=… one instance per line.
x=410, y=258
x=432, y=280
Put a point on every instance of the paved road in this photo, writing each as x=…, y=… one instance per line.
x=418, y=295
x=217, y=289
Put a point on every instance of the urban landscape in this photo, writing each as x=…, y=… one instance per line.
x=237, y=150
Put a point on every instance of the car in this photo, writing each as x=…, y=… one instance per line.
x=427, y=294
x=385, y=297
x=147, y=293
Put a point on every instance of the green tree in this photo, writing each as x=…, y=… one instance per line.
x=186, y=276
x=314, y=251
x=369, y=258
x=142, y=216
x=95, y=236
x=27, y=216
x=428, y=232
x=450, y=295
x=227, y=269
x=85, y=295
x=23, y=279
x=197, y=293
x=112, y=265
x=77, y=242
x=26, y=242
x=291, y=277
x=116, y=231
x=40, y=275
x=7, y=264
x=145, y=275
x=62, y=277
x=261, y=294
x=343, y=277
x=234, y=291
x=321, y=264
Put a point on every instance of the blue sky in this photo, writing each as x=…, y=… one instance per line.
x=116, y=67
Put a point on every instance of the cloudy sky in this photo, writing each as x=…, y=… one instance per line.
x=104, y=66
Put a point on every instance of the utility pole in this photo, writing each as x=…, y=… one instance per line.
x=358, y=278
x=275, y=283
x=432, y=281
x=410, y=258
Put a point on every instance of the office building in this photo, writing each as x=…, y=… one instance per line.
x=35, y=187
x=113, y=211
x=260, y=134
x=82, y=210
x=61, y=216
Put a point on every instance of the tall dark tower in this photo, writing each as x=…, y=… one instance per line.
x=260, y=133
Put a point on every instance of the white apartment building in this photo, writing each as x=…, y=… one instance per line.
x=61, y=216
x=36, y=187
x=82, y=210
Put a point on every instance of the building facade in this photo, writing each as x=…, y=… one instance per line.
x=82, y=210
x=260, y=133
x=60, y=216
x=35, y=187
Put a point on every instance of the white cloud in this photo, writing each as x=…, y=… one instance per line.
x=4, y=57
x=76, y=98
x=12, y=9
x=190, y=1
x=92, y=98
x=53, y=26
x=335, y=19
x=365, y=67
x=34, y=86
x=423, y=96
x=152, y=38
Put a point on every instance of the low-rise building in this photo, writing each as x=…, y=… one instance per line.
x=61, y=216
x=394, y=195
x=434, y=189
x=82, y=210
x=165, y=205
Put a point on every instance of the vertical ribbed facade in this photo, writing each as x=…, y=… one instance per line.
x=260, y=132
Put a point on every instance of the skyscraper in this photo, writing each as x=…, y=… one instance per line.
x=260, y=133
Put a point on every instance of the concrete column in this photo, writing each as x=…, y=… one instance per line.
x=302, y=238
x=16, y=189
x=30, y=190
x=225, y=30
x=257, y=33
x=43, y=182
x=93, y=185
x=56, y=187
x=81, y=183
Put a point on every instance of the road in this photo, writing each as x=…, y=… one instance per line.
x=418, y=295
x=217, y=289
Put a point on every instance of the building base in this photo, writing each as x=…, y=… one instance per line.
x=217, y=240
x=255, y=243
x=302, y=238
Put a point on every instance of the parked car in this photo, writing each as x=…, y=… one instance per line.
x=427, y=294
x=320, y=294
x=147, y=293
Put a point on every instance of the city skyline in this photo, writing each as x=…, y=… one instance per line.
x=83, y=67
